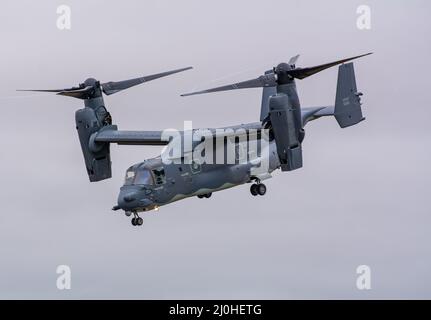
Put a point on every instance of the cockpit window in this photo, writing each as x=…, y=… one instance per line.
x=130, y=176
x=143, y=176
x=140, y=176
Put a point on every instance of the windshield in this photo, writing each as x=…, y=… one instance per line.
x=140, y=176
x=143, y=176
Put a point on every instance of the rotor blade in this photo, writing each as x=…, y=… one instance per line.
x=293, y=60
x=301, y=73
x=77, y=93
x=37, y=90
x=268, y=80
x=114, y=87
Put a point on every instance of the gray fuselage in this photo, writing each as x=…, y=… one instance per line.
x=153, y=183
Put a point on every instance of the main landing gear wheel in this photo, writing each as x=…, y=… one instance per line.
x=253, y=189
x=261, y=189
x=258, y=189
x=206, y=195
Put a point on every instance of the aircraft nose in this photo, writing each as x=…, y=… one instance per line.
x=127, y=199
x=131, y=198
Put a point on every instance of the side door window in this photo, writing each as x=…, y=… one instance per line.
x=159, y=175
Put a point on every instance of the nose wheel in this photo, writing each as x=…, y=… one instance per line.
x=137, y=220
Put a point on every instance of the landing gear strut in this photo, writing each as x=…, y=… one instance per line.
x=137, y=220
x=258, y=189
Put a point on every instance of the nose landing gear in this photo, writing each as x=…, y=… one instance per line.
x=137, y=220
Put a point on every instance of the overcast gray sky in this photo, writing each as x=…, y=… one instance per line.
x=361, y=198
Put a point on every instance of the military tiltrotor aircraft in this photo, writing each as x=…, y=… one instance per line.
x=177, y=175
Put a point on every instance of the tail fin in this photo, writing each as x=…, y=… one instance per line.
x=347, y=110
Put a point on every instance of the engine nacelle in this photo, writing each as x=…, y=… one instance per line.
x=285, y=131
x=97, y=159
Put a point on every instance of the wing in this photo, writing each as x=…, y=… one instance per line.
x=110, y=134
x=148, y=138
x=237, y=131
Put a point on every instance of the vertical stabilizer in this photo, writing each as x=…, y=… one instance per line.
x=347, y=110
